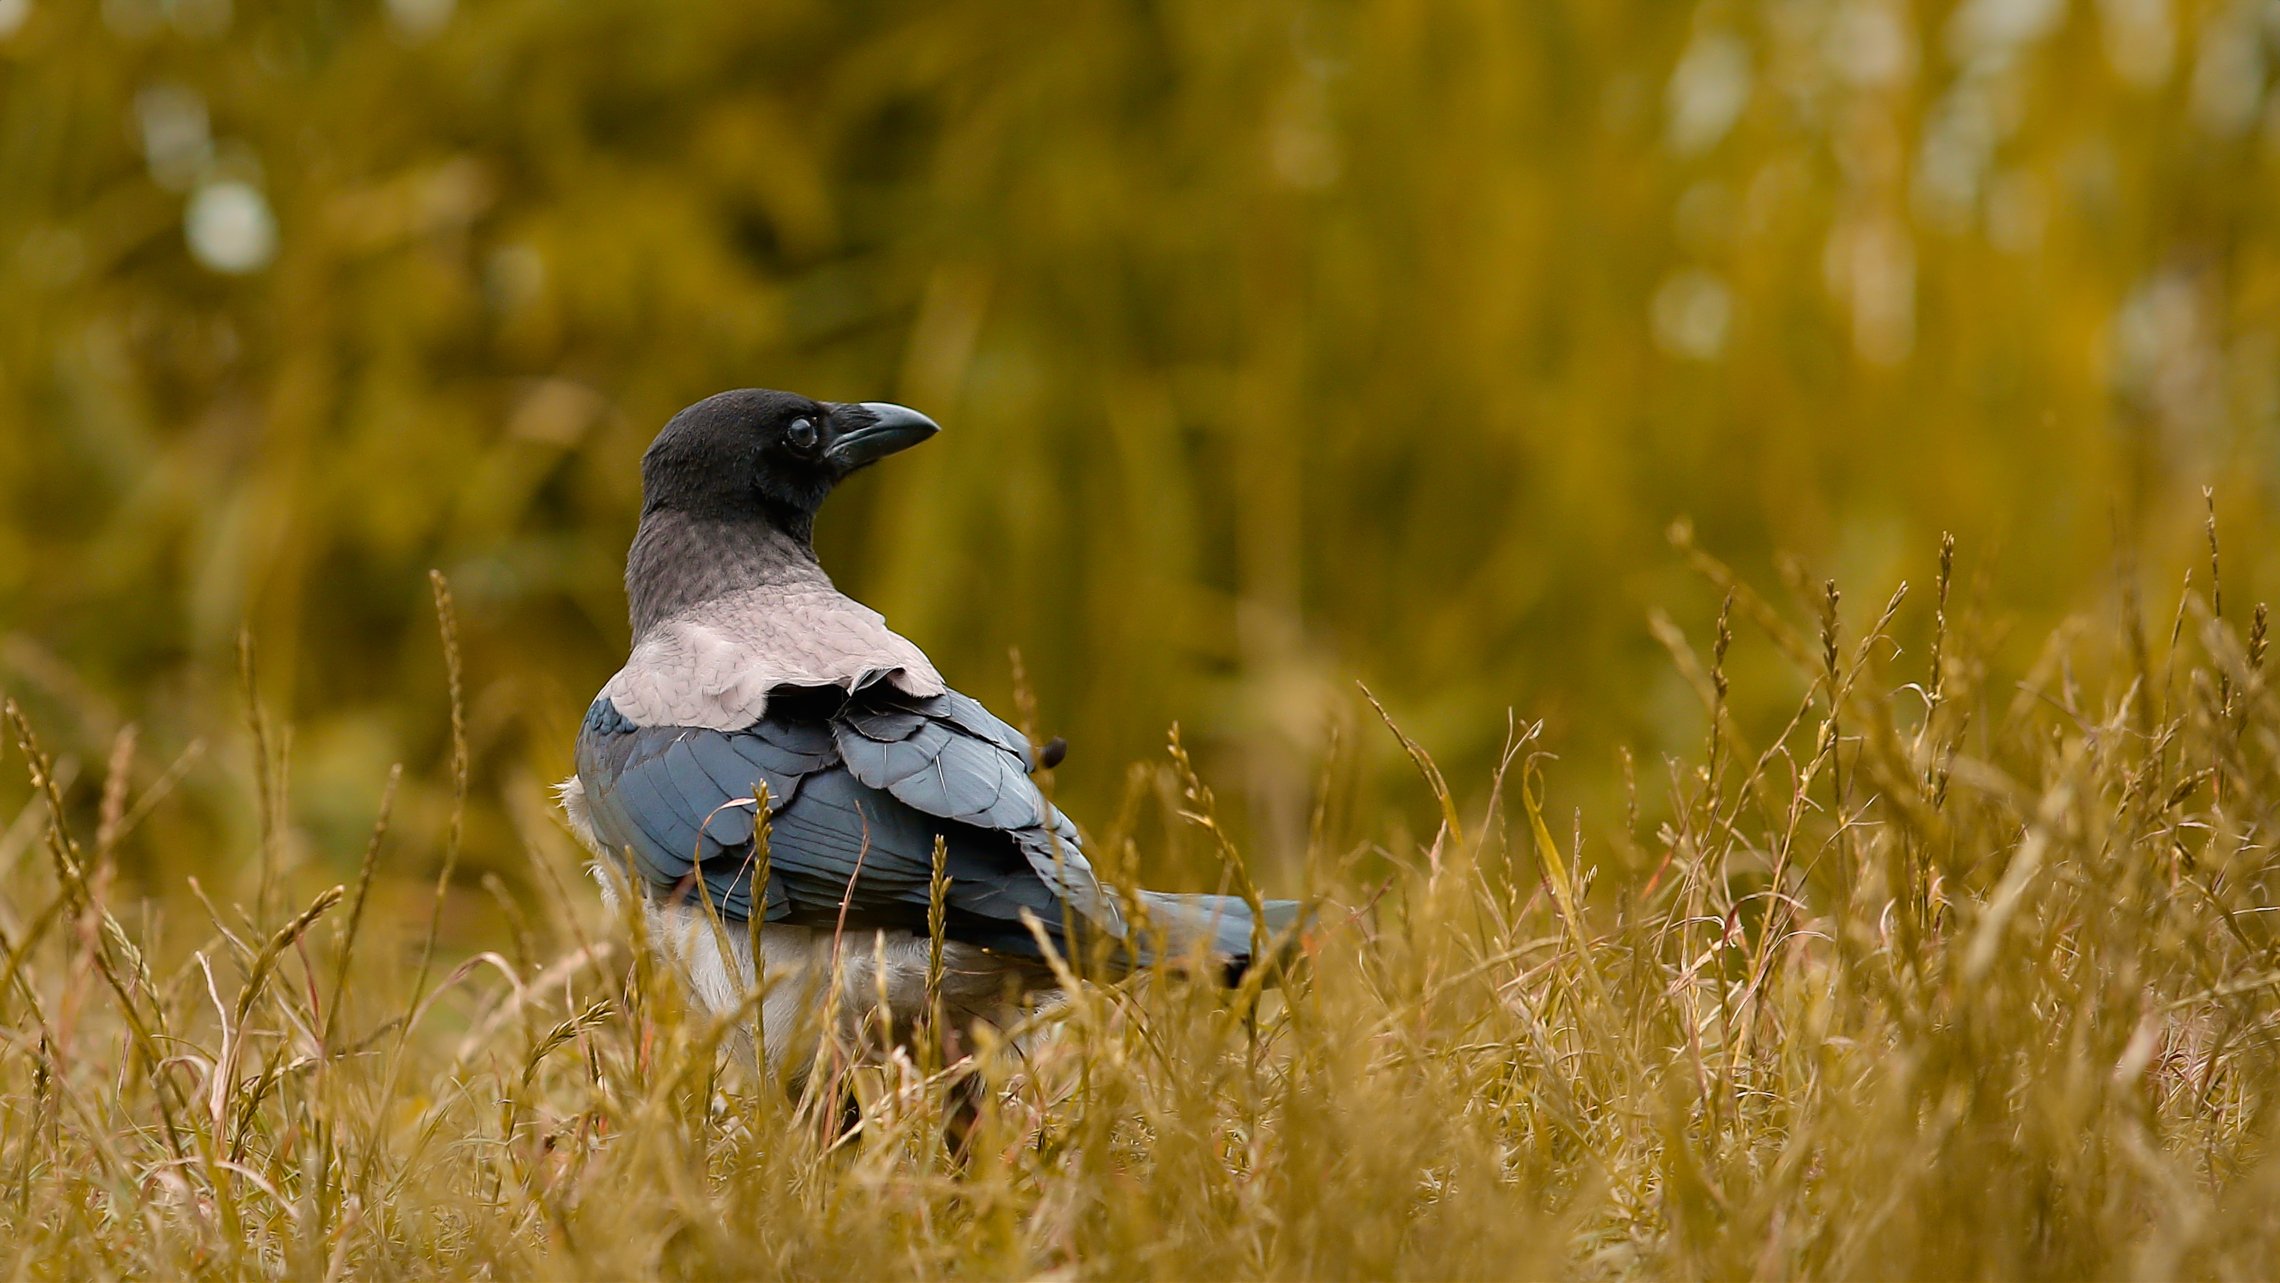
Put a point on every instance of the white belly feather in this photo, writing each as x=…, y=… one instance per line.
x=714, y=957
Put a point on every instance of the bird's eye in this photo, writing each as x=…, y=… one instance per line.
x=801, y=434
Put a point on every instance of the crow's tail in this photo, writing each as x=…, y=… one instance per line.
x=1219, y=928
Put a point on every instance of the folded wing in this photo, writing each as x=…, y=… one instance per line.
x=858, y=785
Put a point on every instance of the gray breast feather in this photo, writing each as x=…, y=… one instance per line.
x=713, y=665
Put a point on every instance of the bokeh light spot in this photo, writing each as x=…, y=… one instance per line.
x=1692, y=313
x=1708, y=90
x=230, y=227
x=420, y=18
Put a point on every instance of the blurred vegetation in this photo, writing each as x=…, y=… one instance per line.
x=1279, y=345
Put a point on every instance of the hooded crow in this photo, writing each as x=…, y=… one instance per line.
x=754, y=683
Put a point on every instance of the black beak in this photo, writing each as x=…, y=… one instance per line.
x=865, y=432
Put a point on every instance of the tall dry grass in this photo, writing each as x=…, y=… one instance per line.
x=1957, y=976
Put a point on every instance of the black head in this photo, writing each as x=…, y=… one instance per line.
x=773, y=456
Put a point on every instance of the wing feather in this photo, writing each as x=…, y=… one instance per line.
x=860, y=787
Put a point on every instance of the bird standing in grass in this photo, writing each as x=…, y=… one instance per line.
x=755, y=684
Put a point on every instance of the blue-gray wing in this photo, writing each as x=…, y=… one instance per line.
x=679, y=801
x=949, y=758
x=857, y=787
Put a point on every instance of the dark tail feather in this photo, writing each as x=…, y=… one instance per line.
x=1221, y=924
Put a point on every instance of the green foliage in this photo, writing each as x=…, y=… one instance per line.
x=1278, y=345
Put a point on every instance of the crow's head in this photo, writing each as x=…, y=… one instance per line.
x=769, y=455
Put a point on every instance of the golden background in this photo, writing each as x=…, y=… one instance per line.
x=1278, y=346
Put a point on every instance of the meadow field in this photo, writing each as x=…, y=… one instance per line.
x=1723, y=545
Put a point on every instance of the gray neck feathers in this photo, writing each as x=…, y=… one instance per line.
x=679, y=561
